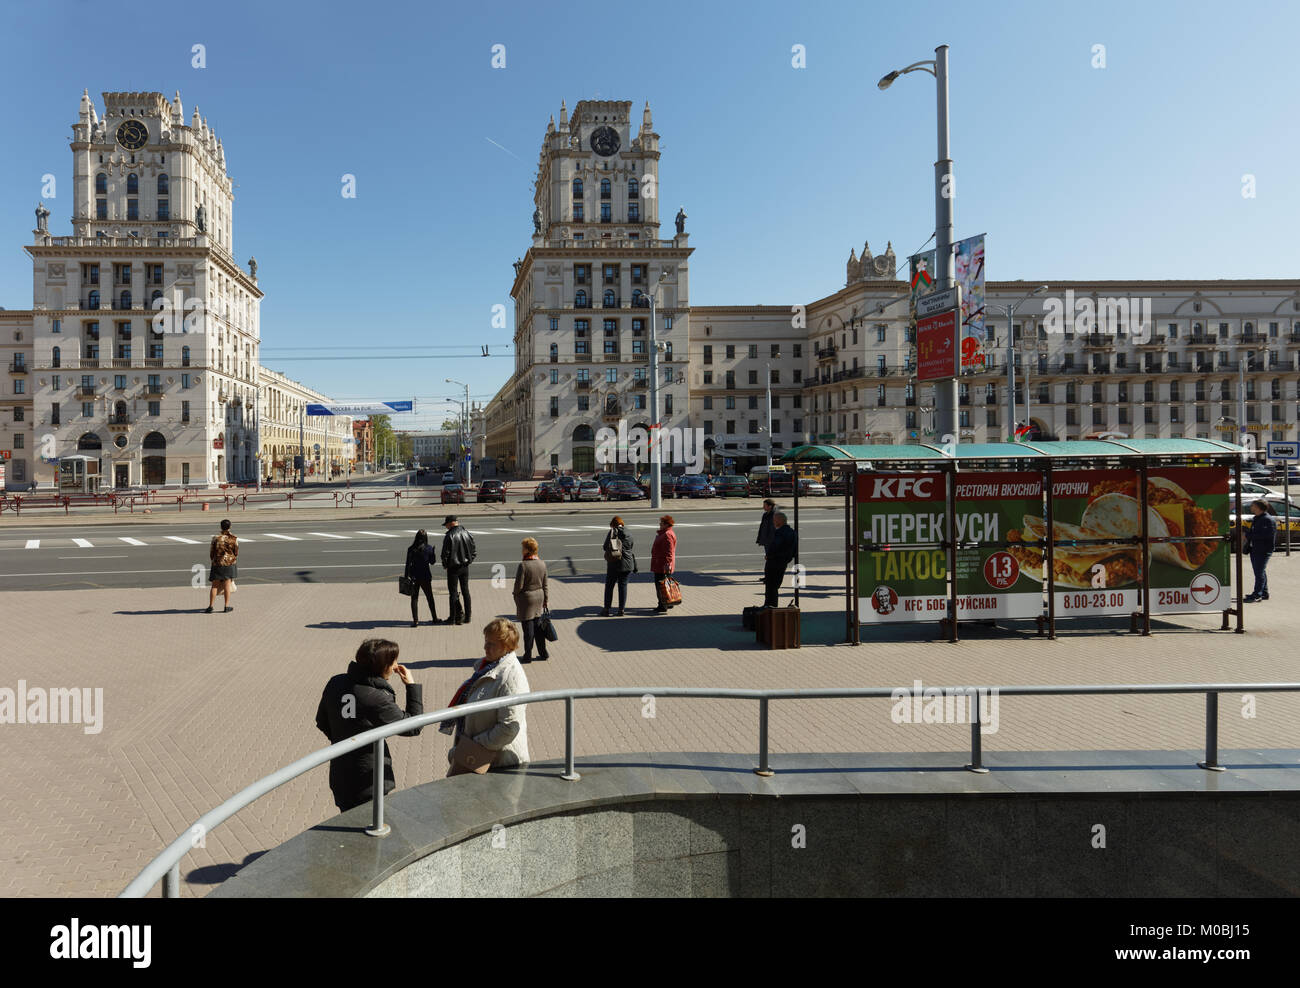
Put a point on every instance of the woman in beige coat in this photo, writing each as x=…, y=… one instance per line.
x=531, y=600
x=503, y=731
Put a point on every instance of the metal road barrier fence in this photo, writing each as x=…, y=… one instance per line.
x=166, y=866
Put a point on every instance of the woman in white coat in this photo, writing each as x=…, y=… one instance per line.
x=502, y=732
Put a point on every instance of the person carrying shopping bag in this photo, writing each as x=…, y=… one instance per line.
x=663, y=559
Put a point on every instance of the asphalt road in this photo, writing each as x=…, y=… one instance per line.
x=138, y=554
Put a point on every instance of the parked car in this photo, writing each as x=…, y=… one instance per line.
x=548, y=491
x=609, y=478
x=1251, y=490
x=448, y=477
x=667, y=484
x=453, y=494
x=694, y=485
x=731, y=486
x=1287, y=517
x=568, y=486
x=623, y=490
x=588, y=490
x=811, y=488
x=421, y=471
x=491, y=490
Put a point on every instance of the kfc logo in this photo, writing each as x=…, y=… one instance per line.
x=884, y=600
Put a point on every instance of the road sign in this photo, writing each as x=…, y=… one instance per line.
x=940, y=301
x=1285, y=452
x=826, y=437
x=937, y=355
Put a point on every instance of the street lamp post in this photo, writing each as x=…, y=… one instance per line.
x=464, y=431
x=945, y=394
x=656, y=474
x=1010, y=312
x=770, y=436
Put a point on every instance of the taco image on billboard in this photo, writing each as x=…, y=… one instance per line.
x=1075, y=566
x=1178, y=514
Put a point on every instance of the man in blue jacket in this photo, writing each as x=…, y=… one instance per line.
x=780, y=553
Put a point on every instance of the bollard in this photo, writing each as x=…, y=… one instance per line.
x=378, y=828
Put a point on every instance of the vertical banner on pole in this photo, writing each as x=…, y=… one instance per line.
x=968, y=269
x=920, y=276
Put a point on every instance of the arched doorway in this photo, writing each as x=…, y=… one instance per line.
x=584, y=449
x=153, y=464
x=91, y=445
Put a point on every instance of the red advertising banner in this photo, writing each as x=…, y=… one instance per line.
x=937, y=356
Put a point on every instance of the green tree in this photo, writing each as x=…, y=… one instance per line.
x=385, y=438
x=450, y=425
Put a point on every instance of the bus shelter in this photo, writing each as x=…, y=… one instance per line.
x=78, y=474
x=1046, y=531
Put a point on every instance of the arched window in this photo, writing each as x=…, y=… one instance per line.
x=580, y=299
x=577, y=188
x=555, y=353
x=93, y=301
x=124, y=300
x=609, y=298
x=584, y=434
x=154, y=298
x=604, y=188
x=132, y=184
x=185, y=356
x=101, y=184
x=633, y=190
x=164, y=185
x=57, y=360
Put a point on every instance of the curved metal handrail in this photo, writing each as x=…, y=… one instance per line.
x=166, y=866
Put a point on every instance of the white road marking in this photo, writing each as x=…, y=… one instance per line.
x=327, y=535
x=179, y=538
x=83, y=544
x=382, y=535
x=286, y=538
x=353, y=550
x=33, y=543
x=131, y=541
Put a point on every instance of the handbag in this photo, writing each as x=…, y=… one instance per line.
x=670, y=592
x=406, y=586
x=470, y=757
x=546, y=626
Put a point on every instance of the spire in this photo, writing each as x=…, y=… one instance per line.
x=195, y=123
x=178, y=111
x=550, y=125
x=645, y=117
x=84, y=114
x=564, y=115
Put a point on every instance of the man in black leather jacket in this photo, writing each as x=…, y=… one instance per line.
x=780, y=553
x=458, y=551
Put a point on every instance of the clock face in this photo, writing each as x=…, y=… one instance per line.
x=604, y=141
x=132, y=135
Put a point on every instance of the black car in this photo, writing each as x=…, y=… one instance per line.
x=548, y=491
x=491, y=490
x=568, y=487
x=667, y=484
x=694, y=485
x=623, y=490
x=731, y=486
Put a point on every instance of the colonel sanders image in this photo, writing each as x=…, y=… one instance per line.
x=884, y=600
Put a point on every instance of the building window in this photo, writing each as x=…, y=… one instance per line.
x=580, y=300
x=577, y=188
x=708, y=354
x=119, y=382
x=753, y=351
x=638, y=402
x=554, y=323
x=185, y=411
x=668, y=322
x=638, y=346
x=87, y=409
x=753, y=402
x=56, y=357
x=668, y=351
x=555, y=353
x=555, y=408
x=155, y=408
x=708, y=377
x=555, y=376
x=776, y=376
x=611, y=375
x=101, y=209
x=731, y=402
x=753, y=377
x=633, y=190
x=584, y=403
x=708, y=404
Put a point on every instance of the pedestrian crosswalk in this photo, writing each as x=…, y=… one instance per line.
x=146, y=539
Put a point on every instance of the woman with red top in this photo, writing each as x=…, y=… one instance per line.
x=663, y=558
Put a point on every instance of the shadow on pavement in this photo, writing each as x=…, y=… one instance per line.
x=360, y=625
x=174, y=610
x=679, y=629
x=216, y=874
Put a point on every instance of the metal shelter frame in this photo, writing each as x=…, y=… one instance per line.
x=1043, y=458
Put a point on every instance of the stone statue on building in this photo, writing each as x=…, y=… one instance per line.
x=518, y=266
x=42, y=218
x=681, y=219
x=537, y=221
x=252, y=268
x=201, y=219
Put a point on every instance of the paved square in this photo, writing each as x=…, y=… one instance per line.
x=197, y=706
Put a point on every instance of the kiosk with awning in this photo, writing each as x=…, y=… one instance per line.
x=1043, y=531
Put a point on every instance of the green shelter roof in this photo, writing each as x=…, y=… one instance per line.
x=1073, y=449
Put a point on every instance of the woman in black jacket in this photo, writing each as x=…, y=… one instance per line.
x=359, y=700
x=418, y=556
x=619, y=564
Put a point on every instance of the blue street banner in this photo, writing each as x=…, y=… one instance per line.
x=362, y=408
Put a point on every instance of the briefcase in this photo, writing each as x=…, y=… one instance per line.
x=778, y=627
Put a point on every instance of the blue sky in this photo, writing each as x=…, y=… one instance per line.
x=1132, y=170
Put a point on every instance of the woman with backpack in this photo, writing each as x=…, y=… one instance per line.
x=619, y=564
x=223, y=553
x=418, y=556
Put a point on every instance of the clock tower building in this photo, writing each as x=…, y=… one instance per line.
x=145, y=328
x=582, y=292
